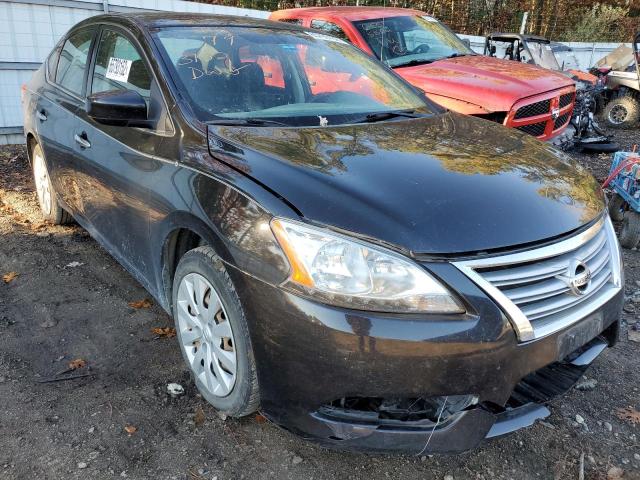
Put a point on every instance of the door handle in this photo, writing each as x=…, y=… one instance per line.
x=82, y=140
x=42, y=115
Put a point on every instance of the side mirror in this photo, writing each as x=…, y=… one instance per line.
x=121, y=108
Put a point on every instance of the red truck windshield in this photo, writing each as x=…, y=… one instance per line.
x=410, y=40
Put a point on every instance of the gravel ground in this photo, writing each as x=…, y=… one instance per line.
x=118, y=421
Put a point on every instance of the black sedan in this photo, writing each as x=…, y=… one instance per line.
x=371, y=271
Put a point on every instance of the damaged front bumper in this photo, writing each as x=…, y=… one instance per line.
x=398, y=383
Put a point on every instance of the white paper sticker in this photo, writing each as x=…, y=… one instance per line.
x=429, y=19
x=118, y=69
x=326, y=38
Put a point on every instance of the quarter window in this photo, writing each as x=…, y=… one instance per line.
x=330, y=28
x=73, y=61
x=119, y=66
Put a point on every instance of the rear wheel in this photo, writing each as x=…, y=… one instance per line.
x=622, y=111
x=630, y=233
x=617, y=206
x=47, y=198
x=213, y=333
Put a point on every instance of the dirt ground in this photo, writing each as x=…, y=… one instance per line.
x=70, y=300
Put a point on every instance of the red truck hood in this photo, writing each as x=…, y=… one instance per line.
x=490, y=82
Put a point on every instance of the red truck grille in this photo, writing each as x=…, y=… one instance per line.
x=545, y=115
x=533, y=109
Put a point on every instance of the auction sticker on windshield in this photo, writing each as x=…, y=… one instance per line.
x=118, y=69
x=429, y=19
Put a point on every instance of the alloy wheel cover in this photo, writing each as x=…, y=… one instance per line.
x=206, y=336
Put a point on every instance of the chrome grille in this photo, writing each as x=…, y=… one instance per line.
x=533, y=109
x=534, y=287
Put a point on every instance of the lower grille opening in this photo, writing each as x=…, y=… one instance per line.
x=551, y=381
x=421, y=411
x=535, y=129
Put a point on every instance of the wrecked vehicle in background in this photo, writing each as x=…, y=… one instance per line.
x=536, y=50
x=587, y=135
x=431, y=57
x=367, y=269
x=622, y=109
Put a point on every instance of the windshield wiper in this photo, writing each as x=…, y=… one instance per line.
x=456, y=55
x=246, y=122
x=381, y=116
x=411, y=63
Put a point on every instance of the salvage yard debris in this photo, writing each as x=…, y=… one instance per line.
x=175, y=390
x=73, y=264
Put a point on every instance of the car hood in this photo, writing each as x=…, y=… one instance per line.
x=492, y=83
x=438, y=185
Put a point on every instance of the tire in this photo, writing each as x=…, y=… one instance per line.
x=617, y=206
x=47, y=197
x=630, y=233
x=622, y=112
x=606, y=147
x=213, y=333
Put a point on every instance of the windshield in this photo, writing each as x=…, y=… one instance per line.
x=292, y=77
x=543, y=55
x=565, y=57
x=410, y=40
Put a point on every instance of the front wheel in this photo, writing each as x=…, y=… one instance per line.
x=213, y=333
x=51, y=210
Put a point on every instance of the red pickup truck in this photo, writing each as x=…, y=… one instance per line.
x=430, y=56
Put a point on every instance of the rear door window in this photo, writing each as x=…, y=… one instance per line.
x=73, y=61
x=330, y=28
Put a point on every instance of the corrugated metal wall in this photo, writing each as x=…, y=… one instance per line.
x=30, y=29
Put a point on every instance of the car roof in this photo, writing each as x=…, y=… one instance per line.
x=349, y=13
x=150, y=20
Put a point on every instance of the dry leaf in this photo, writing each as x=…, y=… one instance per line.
x=9, y=277
x=77, y=363
x=166, y=332
x=615, y=473
x=199, y=417
x=260, y=418
x=130, y=429
x=144, y=303
x=630, y=414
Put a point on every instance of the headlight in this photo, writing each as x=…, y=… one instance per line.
x=345, y=272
